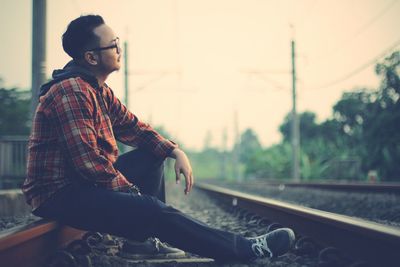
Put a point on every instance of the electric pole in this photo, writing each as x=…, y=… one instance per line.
x=126, y=75
x=38, y=49
x=236, y=149
x=295, y=123
x=223, y=154
x=124, y=148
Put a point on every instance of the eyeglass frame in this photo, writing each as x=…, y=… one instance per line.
x=116, y=46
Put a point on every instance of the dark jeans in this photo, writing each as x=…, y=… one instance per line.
x=86, y=207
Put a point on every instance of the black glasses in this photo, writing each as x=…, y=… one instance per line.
x=115, y=45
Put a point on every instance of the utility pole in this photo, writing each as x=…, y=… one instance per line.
x=295, y=123
x=126, y=75
x=223, y=154
x=236, y=149
x=124, y=148
x=38, y=49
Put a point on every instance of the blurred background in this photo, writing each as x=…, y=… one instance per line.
x=291, y=89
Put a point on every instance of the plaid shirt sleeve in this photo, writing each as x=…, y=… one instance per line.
x=73, y=116
x=129, y=130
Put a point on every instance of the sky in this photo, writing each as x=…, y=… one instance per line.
x=194, y=64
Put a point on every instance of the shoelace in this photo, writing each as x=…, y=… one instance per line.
x=260, y=247
x=156, y=242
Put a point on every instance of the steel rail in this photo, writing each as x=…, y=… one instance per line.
x=362, y=187
x=340, y=186
x=31, y=245
x=361, y=240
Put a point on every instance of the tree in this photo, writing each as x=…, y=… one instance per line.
x=351, y=113
x=249, y=145
x=382, y=130
x=308, y=127
x=271, y=163
x=14, y=112
x=370, y=121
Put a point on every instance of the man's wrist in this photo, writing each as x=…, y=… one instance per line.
x=175, y=153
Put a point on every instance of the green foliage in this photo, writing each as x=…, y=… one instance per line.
x=307, y=127
x=249, y=145
x=207, y=163
x=314, y=159
x=211, y=163
x=370, y=122
x=382, y=126
x=14, y=112
x=273, y=162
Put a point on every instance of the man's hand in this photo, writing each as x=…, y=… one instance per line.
x=182, y=165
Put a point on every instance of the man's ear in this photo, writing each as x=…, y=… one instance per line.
x=91, y=58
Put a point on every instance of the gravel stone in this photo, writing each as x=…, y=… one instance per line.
x=10, y=222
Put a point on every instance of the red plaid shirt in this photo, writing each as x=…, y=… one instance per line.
x=76, y=126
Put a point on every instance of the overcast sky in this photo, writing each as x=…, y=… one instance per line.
x=194, y=62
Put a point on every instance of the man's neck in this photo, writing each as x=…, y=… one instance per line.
x=100, y=76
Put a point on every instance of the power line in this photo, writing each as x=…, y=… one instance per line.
x=359, y=69
x=376, y=18
x=262, y=74
x=274, y=83
x=364, y=27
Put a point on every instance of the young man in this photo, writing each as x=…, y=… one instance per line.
x=76, y=177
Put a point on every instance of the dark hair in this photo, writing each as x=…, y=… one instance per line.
x=79, y=36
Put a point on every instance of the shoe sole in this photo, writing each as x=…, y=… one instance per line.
x=176, y=255
x=292, y=237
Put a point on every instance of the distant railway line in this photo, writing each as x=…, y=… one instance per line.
x=341, y=186
x=334, y=185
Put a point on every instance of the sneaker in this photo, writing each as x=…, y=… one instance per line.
x=273, y=244
x=151, y=248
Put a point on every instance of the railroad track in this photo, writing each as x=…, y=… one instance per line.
x=31, y=245
x=336, y=185
x=369, y=242
x=347, y=186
